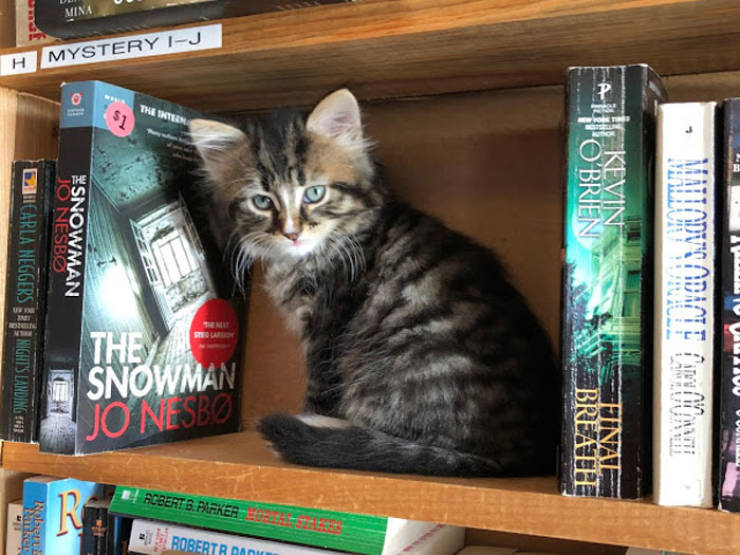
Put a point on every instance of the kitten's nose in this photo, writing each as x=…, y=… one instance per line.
x=291, y=236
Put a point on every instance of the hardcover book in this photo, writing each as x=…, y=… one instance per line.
x=80, y=18
x=25, y=297
x=52, y=514
x=26, y=32
x=356, y=533
x=144, y=323
x=729, y=375
x=608, y=281
x=685, y=287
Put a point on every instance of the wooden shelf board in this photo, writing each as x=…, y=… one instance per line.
x=393, y=48
x=240, y=466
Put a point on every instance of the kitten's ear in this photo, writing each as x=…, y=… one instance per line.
x=221, y=146
x=337, y=116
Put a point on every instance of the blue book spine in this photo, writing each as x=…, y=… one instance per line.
x=52, y=514
x=34, y=518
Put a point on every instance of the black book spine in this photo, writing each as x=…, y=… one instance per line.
x=729, y=259
x=606, y=321
x=119, y=532
x=78, y=18
x=95, y=530
x=25, y=298
x=65, y=291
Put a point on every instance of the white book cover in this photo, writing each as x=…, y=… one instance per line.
x=152, y=538
x=403, y=536
x=13, y=531
x=684, y=304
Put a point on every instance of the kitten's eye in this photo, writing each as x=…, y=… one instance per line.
x=262, y=202
x=314, y=194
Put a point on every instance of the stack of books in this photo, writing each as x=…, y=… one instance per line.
x=71, y=517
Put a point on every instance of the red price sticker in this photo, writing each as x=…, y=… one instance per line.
x=120, y=119
x=214, y=333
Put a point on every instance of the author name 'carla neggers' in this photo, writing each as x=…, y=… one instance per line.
x=178, y=389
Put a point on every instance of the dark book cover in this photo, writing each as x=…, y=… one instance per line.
x=119, y=534
x=729, y=315
x=608, y=281
x=144, y=324
x=95, y=527
x=81, y=18
x=25, y=297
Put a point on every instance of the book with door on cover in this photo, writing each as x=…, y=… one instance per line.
x=608, y=281
x=144, y=323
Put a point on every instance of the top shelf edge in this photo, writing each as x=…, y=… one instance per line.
x=404, y=48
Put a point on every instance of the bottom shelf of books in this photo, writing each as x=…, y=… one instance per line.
x=239, y=466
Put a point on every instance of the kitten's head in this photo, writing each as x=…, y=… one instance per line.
x=289, y=187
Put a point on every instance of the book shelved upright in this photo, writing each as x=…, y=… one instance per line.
x=486, y=159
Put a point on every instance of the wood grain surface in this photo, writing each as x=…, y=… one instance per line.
x=391, y=48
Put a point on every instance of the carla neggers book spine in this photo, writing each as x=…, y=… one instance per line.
x=25, y=298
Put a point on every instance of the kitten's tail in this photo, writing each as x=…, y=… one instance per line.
x=329, y=442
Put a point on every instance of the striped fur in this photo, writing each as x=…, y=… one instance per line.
x=414, y=338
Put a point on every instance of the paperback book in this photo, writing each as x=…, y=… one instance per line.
x=80, y=18
x=13, y=530
x=685, y=287
x=356, y=533
x=104, y=533
x=144, y=322
x=152, y=538
x=32, y=187
x=608, y=281
x=729, y=375
x=52, y=514
x=94, y=527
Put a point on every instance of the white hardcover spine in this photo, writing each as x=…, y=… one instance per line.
x=684, y=303
x=150, y=537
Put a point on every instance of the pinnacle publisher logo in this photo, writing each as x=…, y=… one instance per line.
x=76, y=98
x=604, y=89
x=30, y=179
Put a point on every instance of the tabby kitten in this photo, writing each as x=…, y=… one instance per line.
x=421, y=356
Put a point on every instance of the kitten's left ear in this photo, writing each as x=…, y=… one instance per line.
x=221, y=146
x=337, y=117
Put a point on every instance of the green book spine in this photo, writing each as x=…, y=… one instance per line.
x=608, y=281
x=316, y=527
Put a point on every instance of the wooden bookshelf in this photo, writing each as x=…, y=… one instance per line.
x=491, y=148
x=393, y=48
x=239, y=466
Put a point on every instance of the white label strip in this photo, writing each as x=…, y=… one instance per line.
x=21, y=62
x=134, y=46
